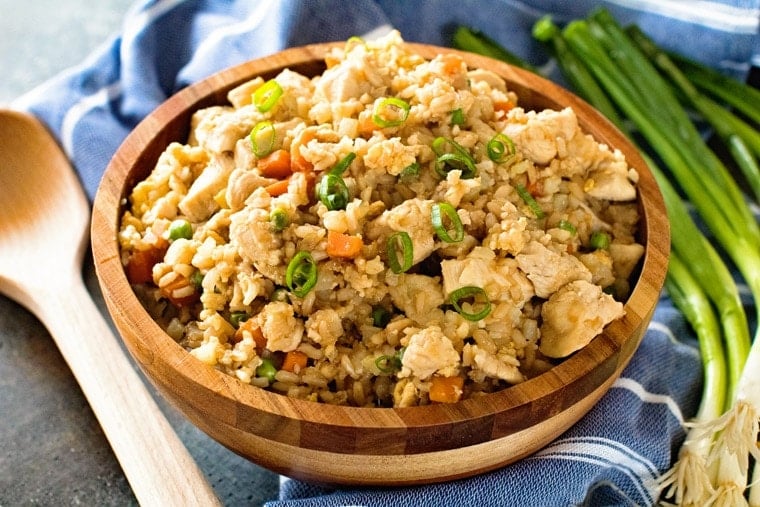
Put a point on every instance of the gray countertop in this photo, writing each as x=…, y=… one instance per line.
x=52, y=451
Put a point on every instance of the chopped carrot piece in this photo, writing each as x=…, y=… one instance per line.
x=180, y=291
x=257, y=334
x=140, y=265
x=452, y=64
x=277, y=188
x=275, y=165
x=342, y=245
x=503, y=106
x=294, y=361
x=535, y=188
x=446, y=389
x=366, y=125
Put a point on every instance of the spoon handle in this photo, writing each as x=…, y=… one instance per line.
x=157, y=465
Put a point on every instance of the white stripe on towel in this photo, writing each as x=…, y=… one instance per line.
x=604, y=452
x=710, y=14
x=81, y=108
x=647, y=397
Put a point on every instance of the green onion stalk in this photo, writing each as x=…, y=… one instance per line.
x=698, y=282
x=467, y=39
x=688, y=481
x=647, y=99
x=743, y=98
x=741, y=139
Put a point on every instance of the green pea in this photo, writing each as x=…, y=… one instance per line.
x=180, y=229
x=266, y=370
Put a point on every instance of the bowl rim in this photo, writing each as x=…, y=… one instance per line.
x=603, y=358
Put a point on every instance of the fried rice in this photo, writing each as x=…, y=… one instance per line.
x=393, y=232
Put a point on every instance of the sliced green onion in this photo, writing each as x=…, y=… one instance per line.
x=301, y=275
x=400, y=245
x=567, y=226
x=180, y=229
x=443, y=145
x=266, y=370
x=437, y=213
x=500, y=148
x=390, y=364
x=410, y=171
x=599, y=240
x=457, y=117
x=380, y=317
x=343, y=164
x=454, y=161
x=262, y=138
x=478, y=299
x=279, y=219
x=333, y=192
x=237, y=318
x=390, y=112
x=267, y=95
x=530, y=201
x=452, y=156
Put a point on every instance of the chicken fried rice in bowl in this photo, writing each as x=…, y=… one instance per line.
x=394, y=233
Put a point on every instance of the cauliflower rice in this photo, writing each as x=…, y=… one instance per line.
x=421, y=239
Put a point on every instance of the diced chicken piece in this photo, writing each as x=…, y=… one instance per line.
x=537, y=137
x=295, y=88
x=342, y=82
x=282, y=329
x=257, y=243
x=241, y=185
x=419, y=297
x=573, y=316
x=413, y=217
x=599, y=263
x=491, y=78
x=429, y=351
x=218, y=128
x=500, y=278
x=241, y=95
x=459, y=273
x=611, y=181
x=199, y=203
x=502, y=365
x=549, y=270
x=625, y=258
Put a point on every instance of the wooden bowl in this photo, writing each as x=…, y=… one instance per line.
x=370, y=446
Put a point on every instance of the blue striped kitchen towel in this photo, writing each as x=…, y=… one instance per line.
x=614, y=455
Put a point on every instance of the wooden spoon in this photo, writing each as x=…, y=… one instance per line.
x=43, y=235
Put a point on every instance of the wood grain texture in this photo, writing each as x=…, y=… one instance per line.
x=350, y=445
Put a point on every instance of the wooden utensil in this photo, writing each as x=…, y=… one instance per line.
x=386, y=446
x=43, y=234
